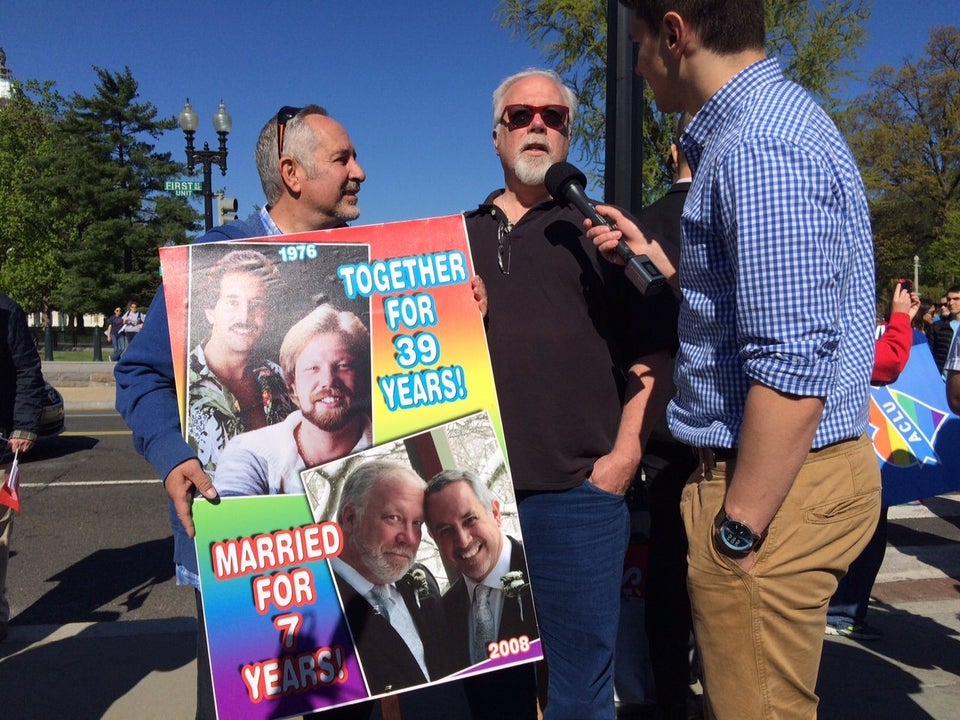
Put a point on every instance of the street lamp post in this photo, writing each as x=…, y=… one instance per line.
x=207, y=157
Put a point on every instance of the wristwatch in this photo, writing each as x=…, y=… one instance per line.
x=734, y=538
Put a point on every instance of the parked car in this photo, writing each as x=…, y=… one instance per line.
x=51, y=422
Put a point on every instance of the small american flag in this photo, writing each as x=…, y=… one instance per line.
x=10, y=492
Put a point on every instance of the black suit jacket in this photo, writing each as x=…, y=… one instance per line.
x=662, y=218
x=940, y=337
x=510, y=693
x=387, y=662
x=456, y=602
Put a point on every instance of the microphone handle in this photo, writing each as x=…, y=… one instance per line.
x=643, y=274
x=640, y=270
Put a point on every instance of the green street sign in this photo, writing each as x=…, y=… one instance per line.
x=184, y=188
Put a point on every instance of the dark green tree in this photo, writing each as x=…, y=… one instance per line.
x=905, y=133
x=811, y=39
x=113, y=196
x=31, y=236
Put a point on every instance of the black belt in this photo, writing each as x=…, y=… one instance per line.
x=709, y=456
x=722, y=454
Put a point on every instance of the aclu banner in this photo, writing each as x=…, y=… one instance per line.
x=916, y=437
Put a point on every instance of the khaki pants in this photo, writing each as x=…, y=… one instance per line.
x=760, y=633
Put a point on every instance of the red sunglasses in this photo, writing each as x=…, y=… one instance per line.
x=284, y=115
x=520, y=116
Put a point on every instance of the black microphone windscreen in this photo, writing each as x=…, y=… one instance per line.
x=559, y=176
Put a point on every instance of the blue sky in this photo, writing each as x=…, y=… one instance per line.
x=411, y=80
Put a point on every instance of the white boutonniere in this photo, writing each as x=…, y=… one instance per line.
x=513, y=585
x=417, y=579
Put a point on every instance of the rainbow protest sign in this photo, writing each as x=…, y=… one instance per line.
x=280, y=640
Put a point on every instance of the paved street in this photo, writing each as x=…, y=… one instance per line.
x=93, y=542
x=913, y=672
x=93, y=603
x=100, y=631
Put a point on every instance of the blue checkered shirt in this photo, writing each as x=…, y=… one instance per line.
x=776, y=266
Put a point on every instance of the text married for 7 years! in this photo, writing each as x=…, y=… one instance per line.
x=257, y=556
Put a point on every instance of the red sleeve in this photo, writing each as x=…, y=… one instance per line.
x=892, y=350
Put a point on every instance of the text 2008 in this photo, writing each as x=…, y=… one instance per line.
x=506, y=648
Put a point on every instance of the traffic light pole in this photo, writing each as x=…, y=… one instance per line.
x=207, y=195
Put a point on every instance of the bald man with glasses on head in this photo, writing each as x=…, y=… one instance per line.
x=311, y=178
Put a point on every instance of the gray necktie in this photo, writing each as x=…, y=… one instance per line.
x=381, y=596
x=483, y=630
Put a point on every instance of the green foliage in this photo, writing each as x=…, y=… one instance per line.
x=30, y=241
x=812, y=43
x=115, y=253
x=905, y=133
x=943, y=254
x=82, y=201
x=813, y=40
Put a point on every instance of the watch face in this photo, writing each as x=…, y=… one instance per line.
x=736, y=536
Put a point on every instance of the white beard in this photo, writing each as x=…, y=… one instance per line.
x=532, y=170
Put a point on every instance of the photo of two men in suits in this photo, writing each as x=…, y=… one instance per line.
x=392, y=604
x=406, y=634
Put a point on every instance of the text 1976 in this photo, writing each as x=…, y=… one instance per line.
x=292, y=253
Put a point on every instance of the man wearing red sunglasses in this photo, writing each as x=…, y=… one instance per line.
x=582, y=366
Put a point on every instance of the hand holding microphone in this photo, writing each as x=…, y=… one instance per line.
x=565, y=183
x=607, y=238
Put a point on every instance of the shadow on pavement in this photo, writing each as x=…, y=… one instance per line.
x=83, y=676
x=47, y=672
x=855, y=683
x=61, y=446
x=117, y=576
x=882, y=679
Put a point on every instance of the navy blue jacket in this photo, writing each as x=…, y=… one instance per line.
x=21, y=378
x=147, y=393
x=940, y=337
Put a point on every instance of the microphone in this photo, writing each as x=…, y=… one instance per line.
x=565, y=183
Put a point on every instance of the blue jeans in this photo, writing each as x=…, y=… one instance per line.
x=119, y=345
x=575, y=543
x=849, y=603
